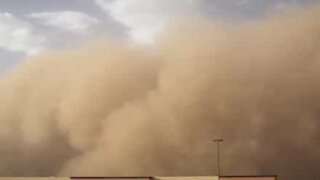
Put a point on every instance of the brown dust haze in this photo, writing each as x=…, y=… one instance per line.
x=110, y=108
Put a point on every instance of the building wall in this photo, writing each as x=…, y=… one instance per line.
x=187, y=178
x=35, y=178
x=111, y=178
x=248, y=178
x=143, y=178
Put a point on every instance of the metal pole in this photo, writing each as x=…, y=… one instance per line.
x=218, y=150
x=218, y=141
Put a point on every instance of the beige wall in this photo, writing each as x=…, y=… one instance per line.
x=248, y=178
x=34, y=178
x=187, y=178
x=111, y=178
x=141, y=178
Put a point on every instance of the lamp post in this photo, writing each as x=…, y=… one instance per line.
x=218, y=141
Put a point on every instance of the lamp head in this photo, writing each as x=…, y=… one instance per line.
x=217, y=140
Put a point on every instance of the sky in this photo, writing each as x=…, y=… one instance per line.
x=28, y=27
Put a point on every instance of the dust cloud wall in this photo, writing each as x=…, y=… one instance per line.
x=110, y=108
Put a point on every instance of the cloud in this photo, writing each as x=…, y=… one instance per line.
x=69, y=21
x=18, y=35
x=109, y=108
x=145, y=18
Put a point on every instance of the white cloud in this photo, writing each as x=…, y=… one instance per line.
x=145, y=18
x=70, y=21
x=18, y=35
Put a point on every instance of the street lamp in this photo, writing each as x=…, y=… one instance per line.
x=218, y=141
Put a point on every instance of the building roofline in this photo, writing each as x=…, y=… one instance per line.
x=107, y=177
x=248, y=176
x=152, y=177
